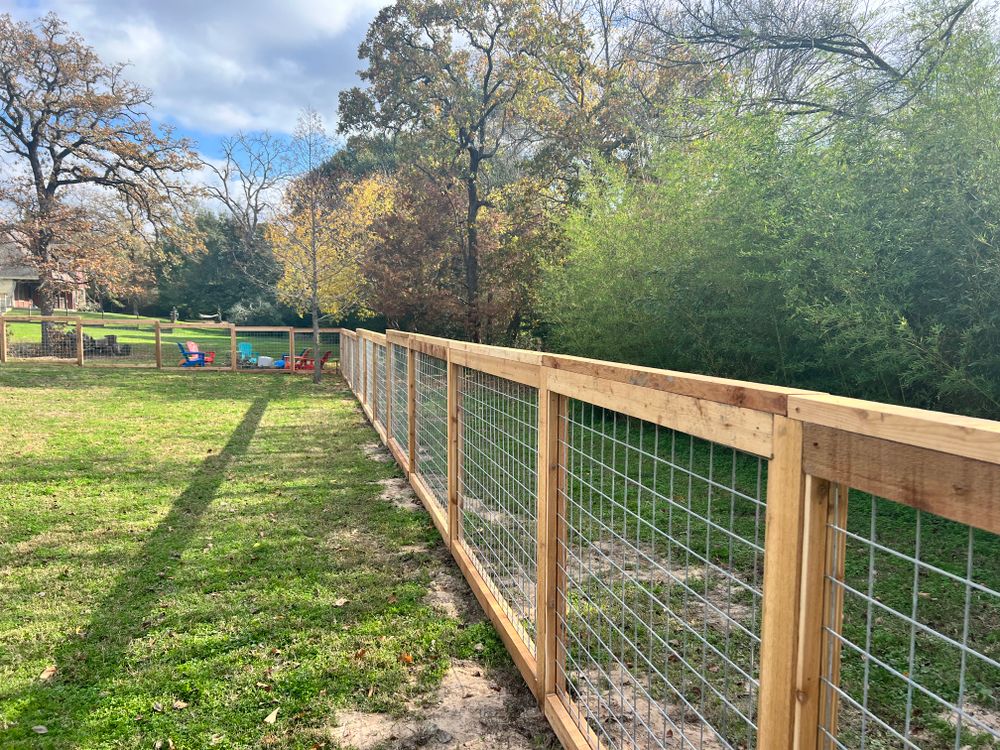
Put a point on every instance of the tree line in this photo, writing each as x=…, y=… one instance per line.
x=792, y=191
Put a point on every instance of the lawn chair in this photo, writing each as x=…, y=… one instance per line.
x=308, y=363
x=191, y=359
x=300, y=357
x=208, y=357
x=247, y=357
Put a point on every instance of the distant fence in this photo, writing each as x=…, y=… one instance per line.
x=145, y=342
x=680, y=561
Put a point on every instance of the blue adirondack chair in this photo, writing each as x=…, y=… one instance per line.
x=191, y=359
x=247, y=354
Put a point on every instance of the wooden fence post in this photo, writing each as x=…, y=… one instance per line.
x=232, y=347
x=79, y=342
x=411, y=405
x=3, y=340
x=387, y=406
x=159, y=347
x=551, y=412
x=291, y=350
x=453, y=460
x=783, y=545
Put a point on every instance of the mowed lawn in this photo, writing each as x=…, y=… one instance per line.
x=192, y=551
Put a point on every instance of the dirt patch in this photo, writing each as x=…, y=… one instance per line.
x=470, y=710
x=398, y=492
x=376, y=452
x=449, y=593
x=977, y=719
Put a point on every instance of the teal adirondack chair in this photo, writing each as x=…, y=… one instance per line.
x=247, y=355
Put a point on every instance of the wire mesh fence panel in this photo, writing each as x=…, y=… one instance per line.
x=399, y=397
x=915, y=662
x=498, y=442
x=37, y=341
x=431, y=417
x=369, y=372
x=379, y=402
x=327, y=353
x=660, y=566
x=356, y=382
x=196, y=347
x=347, y=360
x=119, y=343
x=262, y=349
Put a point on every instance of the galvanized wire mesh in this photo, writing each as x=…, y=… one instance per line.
x=369, y=372
x=431, y=417
x=41, y=341
x=357, y=379
x=378, y=402
x=399, y=413
x=119, y=343
x=498, y=439
x=263, y=350
x=916, y=660
x=346, y=359
x=660, y=566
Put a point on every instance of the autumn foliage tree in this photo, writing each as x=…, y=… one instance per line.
x=320, y=232
x=70, y=122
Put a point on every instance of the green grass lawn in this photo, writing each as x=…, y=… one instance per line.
x=192, y=553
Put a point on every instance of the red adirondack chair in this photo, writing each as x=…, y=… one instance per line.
x=193, y=348
x=308, y=363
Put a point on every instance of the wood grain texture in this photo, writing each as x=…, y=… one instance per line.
x=509, y=369
x=957, y=488
x=782, y=566
x=741, y=428
x=769, y=398
x=946, y=433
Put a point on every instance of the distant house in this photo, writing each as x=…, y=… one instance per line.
x=19, y=284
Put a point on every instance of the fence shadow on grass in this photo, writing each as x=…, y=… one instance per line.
x=87, y=660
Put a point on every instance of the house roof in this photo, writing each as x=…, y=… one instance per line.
x=13, y=264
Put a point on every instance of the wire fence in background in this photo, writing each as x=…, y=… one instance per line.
x=661, y=563
x=119, y=343
x=915, y=661
x=431, y=418
x=379, y=402
x=258, y=348
x=328, y=352
x=369, y=372
x=400, y=397
x=497, y=489
x=181, y=344
x=28, y=341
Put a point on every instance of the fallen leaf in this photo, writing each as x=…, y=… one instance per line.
x=158, y=707
x=40, y=729
x=406, y=658
x=339, y=602
x=48, y=673
x=271, y=717
x=180, y=705
x=360, y=653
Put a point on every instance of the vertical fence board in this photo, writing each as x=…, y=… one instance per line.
x=411, y=407
x=79, y=342
x=782, y=568
x=3, y=341
x=453, y=438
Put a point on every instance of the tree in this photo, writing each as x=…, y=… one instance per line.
x=458, y=79
x=249, y=179
x=69, y=121
x=319, y=234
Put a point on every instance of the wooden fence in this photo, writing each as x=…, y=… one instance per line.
x=147, y=342
x=674, y=560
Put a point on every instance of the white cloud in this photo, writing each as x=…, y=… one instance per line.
x=216, y=66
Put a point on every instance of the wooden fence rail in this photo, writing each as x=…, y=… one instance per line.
x=148, y=342
x=675, y=560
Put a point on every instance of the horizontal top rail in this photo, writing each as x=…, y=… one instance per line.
x=39, y=319
x=757, y=396
x=371, y=335
x=946, y=433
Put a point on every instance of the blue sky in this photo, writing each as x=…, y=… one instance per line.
x=219, y=66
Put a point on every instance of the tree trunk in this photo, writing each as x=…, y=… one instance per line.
x=472, y=252
x=317, y=355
